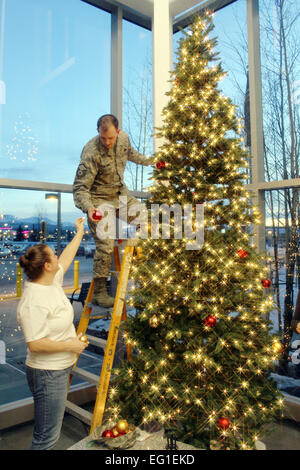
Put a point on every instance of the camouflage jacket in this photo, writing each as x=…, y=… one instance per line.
x=100, y=171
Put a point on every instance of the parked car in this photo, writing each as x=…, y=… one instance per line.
x=15, y=249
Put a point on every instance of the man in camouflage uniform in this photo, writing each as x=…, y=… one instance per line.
x=98, y=182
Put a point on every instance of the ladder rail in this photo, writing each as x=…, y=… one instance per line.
x=112, y=340
x=124, y=314
x=119, y=314
x=84, y=320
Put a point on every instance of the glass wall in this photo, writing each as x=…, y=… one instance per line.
x=280, y=43
x=137, y=100
x=36, y=222
x=55, y=69
x=54, y=85
x=280, y=33
x=233, y=51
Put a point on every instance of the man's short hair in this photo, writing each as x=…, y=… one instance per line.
x=105, y=121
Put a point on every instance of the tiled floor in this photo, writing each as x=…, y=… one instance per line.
x=286, y=436
x=19, y=437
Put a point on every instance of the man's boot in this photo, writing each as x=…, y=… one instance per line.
x=100, y=296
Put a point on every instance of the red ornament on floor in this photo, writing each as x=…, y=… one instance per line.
x=266, y=283
x=161, y=164
x=242, y=253
x=97, y=215
x=210, y=321
x=224, y=423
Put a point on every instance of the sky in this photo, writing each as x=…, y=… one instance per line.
x=55, y=64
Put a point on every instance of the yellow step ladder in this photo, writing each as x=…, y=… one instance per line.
x=119, y=313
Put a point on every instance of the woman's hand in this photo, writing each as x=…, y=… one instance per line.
x=77, y=345
x=70, y=251
x=79, y=224
x=45, y=345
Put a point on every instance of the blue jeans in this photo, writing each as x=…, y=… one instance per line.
x=49, y=389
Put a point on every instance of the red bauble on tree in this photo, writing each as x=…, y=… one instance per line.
x=266, y=283
x=161, y=164
x=210, y=321
x=242, y=253
x=223, y=423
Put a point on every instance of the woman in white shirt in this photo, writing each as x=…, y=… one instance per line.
x=46, y=316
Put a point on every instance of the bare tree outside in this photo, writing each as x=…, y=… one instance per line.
x=280, y=60
x=138, y=123
x=281, y=66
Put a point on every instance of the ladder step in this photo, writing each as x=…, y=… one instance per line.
x=113, y=316
x=97, y=341
x=79, y=412
x=86, y=375
x=97, y=309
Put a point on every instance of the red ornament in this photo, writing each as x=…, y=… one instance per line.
x=242, y=253
x=107, y=433
x=120, y=241
x=210, y=321
x=266, y=283
x=161, y=164
x=97, y=215
x=224, y=423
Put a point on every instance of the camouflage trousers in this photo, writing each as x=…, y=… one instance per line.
x=104, y=246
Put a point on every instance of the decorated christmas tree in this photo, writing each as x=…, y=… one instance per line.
x=202, y=347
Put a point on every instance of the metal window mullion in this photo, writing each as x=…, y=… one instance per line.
x=116, y=63
x=256, y=117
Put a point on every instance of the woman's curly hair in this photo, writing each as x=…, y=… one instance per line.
x=33, y=261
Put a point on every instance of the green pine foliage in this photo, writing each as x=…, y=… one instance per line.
x=202, y=347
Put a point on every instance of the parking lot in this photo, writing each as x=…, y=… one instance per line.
x=8, y=272
x=10, y=248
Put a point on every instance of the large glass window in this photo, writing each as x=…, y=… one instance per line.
x=137, y=100
x=55, y=70
x=36, y=222
x=54, y=85
x=280, y=33
x=232, y=48
x=280, y=28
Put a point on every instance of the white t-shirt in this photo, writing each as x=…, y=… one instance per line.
x=46, y=312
